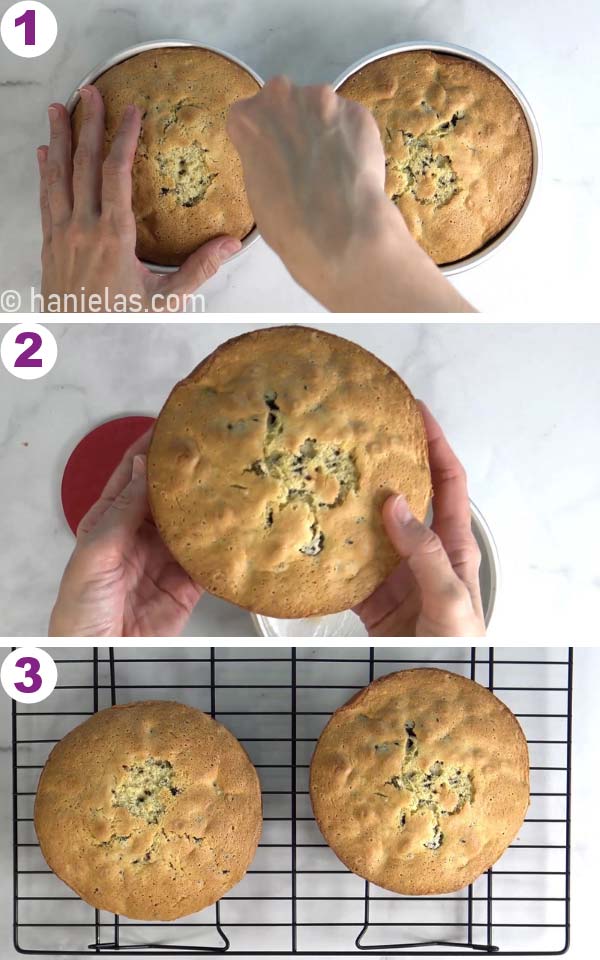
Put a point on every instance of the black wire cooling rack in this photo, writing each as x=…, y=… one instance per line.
x=298, y=898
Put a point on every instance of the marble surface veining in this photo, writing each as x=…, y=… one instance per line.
x=549, y=49
x=518, y=402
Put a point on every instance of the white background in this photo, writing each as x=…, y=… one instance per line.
x=549, y=47
x=585, y=836
x=519, y=403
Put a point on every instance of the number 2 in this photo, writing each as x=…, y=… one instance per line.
x=28, y=18
x=31, y=673
x=27, y=359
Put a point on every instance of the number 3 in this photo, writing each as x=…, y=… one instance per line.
x=28, y=18
x=31, y=673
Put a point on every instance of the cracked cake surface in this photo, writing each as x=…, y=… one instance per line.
x=150, y=810
x=459, y=158
x=269, y=466
x=421, y=781
x=188, y=184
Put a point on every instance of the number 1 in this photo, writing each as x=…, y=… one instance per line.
x=28, y=19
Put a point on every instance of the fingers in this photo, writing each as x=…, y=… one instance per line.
x=59, y=167
x=425, y=556
x=282, y=99
x=451, y=501
x=392, y=609
x=87, y=162
x=322, y=102
x=124, y=516
x=122, y=473
x=42, y=158
x=200, y=266
x=85, y=185
x=451, y=506
x=115, y=485
x=116, y=172
x=239, y=122
x=275, y=90
x=277, y=86
x=246, y=116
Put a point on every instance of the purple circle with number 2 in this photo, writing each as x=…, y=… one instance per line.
x=29, y=350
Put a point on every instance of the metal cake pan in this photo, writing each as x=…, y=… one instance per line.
x=347, y=624
x=129, y=52
x=480, y=256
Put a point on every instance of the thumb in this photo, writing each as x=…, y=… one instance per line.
x=201, y=265
x=123, y=518
x=422, y=549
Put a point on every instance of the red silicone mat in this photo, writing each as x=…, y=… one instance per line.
x=93, y=461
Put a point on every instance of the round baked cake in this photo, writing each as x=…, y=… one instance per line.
x=188, y=184
x=458, y=150
x=421, y=781
x=269, y=466
x=150, y=810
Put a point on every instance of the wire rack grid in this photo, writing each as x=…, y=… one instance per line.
x=298, y=898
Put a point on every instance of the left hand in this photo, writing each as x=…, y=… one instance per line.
x=121, y=580
x=88, y=224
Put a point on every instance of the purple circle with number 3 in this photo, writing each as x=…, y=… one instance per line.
x=31, y=666
x=29, y=675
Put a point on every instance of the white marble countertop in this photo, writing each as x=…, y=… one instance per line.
x=519, y=403
x=550, y=50
x=585, y=841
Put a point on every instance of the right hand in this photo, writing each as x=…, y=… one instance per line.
x=314, y=168
x=434, y=591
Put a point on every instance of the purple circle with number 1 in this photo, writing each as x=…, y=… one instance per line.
x=28, y=28
x=29, y=675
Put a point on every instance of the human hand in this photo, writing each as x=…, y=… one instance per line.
x=88, y=225
x=121, y=580
x=434, y=591
x=314, y=168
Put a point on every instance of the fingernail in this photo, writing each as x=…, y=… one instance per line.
x=52, y=112
x=129, y=111
x=401, y=511
x=228, y=248
x=139, y=466
x=85, y=92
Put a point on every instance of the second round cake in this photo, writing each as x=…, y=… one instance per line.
x=459, y=156
x=421, y=781
x=269, y=466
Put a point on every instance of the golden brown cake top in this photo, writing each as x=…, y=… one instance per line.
x=187, y=176
x=150, y=810
x=269, y=466
x=458, y=149
x=421, y=781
